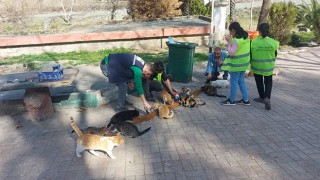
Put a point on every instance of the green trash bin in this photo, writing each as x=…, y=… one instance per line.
x=180, y=64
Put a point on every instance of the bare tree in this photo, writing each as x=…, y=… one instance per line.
x=67, y=12
x=264, y=12
x=251, y=15
x=232, y=10
x=185, y=7
x=113, y=5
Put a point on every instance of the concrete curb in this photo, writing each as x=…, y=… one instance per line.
x=89, y=99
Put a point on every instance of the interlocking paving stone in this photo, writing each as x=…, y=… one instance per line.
x=207, y=142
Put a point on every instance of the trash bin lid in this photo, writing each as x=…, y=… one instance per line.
x=182, y=44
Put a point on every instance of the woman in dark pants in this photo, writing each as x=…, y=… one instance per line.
x=263, y=56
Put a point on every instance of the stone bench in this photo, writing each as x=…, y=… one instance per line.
x=37, y=97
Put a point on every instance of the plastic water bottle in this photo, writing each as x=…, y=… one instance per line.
x=176, y=97
x=147, y=110
x=171, y=41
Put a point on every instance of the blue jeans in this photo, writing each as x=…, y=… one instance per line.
x=237, y=78
x=122, y=91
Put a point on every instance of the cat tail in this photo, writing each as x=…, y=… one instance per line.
x=75, y=127
x=218, y=95
x=144, y=131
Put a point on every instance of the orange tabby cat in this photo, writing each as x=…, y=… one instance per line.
x=93, y=142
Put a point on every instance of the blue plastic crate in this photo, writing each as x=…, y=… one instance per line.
x=50, y=76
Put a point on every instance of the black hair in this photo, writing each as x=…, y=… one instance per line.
x=264, y=29
x=158, y=66
x=240, y=33
x=217, y=49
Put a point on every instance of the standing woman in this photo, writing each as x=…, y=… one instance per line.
x=239, y=50
x=264, y=53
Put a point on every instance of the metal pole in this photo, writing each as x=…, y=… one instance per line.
x=211, y=28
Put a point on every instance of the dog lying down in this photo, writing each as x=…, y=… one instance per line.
x=220, y=83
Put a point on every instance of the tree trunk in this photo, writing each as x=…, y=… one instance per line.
x=264, y=12
x=232, y=10
x=186, y=7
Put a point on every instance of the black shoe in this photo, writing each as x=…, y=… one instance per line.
x=259, y=100
x=228, y=102
x=267, y=104
x=246, y=103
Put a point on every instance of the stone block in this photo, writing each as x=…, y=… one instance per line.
x=38, y=103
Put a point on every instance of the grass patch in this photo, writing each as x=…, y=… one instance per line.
x=302, y=38
x=35, y=62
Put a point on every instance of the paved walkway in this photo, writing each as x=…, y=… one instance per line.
x=208, y=142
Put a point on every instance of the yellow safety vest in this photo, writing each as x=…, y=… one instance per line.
x=158, y=77
x=241, y=59
x=263, y=55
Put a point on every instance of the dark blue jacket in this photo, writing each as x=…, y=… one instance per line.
x=119, y=67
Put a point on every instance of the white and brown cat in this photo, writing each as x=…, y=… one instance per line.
x=163, y=110
x=93, y=142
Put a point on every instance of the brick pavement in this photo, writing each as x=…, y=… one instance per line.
x=208, y=142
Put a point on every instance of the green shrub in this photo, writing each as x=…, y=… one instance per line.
x=195, y=7
x=281, y=19
x=301, y=38
x=198, y=8
x=309, y=16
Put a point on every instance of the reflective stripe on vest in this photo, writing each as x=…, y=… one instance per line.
x=263, y=55
x=241, y=59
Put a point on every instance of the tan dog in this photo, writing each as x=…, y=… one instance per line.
x=167, y=99
x=164, y=111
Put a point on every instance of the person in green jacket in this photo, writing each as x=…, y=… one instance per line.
x=126, y=70
x=158, y=81
x=263, y=56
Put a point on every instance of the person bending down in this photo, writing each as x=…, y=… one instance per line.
x=215, y=62
x=158, y=81
x=126, y=71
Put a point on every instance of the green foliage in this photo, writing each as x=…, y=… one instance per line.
x=281, y=19
x=35, y=62
x=302, y=38
x=309, y=16
x=198, y=57
x=198, y=8
x=195, y=7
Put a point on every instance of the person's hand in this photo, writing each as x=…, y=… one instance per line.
x=173, y=93
x=131, y=85
x=220, y=62
x=147, y=107
x=228, y=38
x=209, y=76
